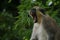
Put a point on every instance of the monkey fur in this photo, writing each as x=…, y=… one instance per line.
x=49, y=24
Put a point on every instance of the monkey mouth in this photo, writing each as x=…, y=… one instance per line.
x=33, y=14
x=34, y=19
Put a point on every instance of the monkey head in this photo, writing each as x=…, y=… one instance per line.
x=36, y=13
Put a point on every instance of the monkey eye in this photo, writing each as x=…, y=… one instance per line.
x=33, y=10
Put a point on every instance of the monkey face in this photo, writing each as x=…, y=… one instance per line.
x=34, y=13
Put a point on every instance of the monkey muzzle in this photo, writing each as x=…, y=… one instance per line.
x=33, y=15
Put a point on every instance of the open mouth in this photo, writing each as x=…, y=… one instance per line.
x=33, y=15
x=35, y=20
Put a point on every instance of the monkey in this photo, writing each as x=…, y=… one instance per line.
x=45, y=27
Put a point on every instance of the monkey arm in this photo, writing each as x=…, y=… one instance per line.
x=57, y=36
x=33, y=36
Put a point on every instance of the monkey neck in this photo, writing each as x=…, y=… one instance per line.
x=39, y=19
x=39, y=16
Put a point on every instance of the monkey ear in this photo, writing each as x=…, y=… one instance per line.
x=42, y=10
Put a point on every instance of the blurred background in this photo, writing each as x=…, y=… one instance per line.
x=15, y=24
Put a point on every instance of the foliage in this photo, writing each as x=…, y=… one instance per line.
x=15, y=24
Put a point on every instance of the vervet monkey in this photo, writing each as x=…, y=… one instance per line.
x=45, y=28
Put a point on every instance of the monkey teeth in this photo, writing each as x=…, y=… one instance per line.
x=34, y=19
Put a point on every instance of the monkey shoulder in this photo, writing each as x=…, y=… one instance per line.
x=50, y=24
